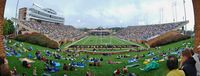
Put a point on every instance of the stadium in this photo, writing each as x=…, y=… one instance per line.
x=39, y=42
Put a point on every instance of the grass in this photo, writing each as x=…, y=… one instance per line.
x=104, y=40
x=104, y=70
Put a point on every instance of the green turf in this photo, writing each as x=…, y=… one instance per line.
x=104, y=40
x=104, y=70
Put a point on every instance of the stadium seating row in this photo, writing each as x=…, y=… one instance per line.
x=148, y=31
x=55, y=31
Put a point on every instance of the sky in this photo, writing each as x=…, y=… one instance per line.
x=112, y=13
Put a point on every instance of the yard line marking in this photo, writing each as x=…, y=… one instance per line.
x=86, y=40
x=75, y=42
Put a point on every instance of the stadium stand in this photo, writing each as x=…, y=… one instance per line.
x=148, y=31
x=47, y=22
x=53, y=31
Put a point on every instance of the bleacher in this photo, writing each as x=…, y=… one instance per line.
x=146, y=32
x=55, y=32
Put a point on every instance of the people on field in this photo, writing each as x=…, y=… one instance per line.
x=188, y=63
x=111, y=62
x=57, y=56
x=14, y=71
x=23, y=74
x=101, y=59
x=30, y=48
x=94, y=50
x=67, y=51
x=125, y=70
x=43, y=59
x=72, y=68
x=38, y=55
x=116, y=72
x=47, y=52
x=30, y=56
x=51, y=62
x=65, y=67
x=88, y=73
x=131, y=74
x=34, y=72
x=65, y=74
x=172, y=65
x=50, y=68
x=26, y=64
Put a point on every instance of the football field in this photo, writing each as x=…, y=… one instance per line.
x=104, y=40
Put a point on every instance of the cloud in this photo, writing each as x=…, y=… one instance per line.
x=94, y=13
x=121, y=12
x=108, y=13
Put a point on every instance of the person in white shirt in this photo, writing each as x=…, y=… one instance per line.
x=34, y=72
x=65, y=74
x=196, y=57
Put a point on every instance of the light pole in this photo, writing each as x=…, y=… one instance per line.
x=175, y=8
x=16, y=30
x=185, y=13
x=161, y=15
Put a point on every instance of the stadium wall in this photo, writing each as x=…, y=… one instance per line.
x=39, y=39
x=168, y=37
x=138, y=41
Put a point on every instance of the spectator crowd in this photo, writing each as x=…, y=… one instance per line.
x=148, y=31
x=55, y=31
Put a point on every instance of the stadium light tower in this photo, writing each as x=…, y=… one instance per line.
x=174, y=7
x=147, y=18
x=15, y=23
x=161, y=15
x=17, y=8
x=185, y=14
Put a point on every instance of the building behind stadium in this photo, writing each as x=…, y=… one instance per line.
x=39, y=14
